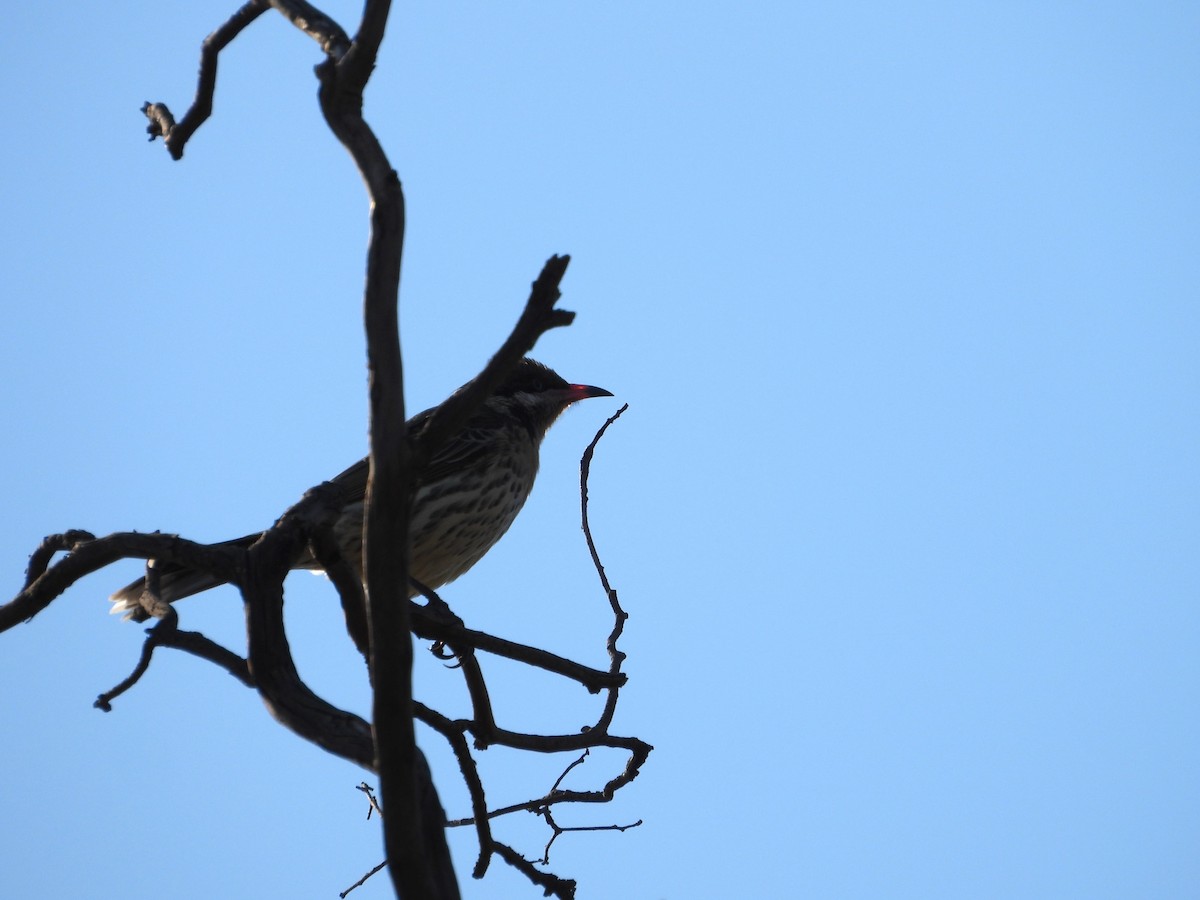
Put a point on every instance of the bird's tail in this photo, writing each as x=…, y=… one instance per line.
x=174, y=583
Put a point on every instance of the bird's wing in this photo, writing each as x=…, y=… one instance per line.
x=354, y=481
x=456, y=454
x=460, y=453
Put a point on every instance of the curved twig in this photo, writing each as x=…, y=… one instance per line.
x=619, y=614
x=162, y=123
x=166, y=633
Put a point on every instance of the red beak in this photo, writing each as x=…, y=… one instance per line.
x=584, y=391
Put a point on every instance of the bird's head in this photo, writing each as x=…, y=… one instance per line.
x=538, y=395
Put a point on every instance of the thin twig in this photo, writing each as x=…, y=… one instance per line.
x=453, y=732
x=557, y=830
x=373, y=803
x=362, y=880
x=563, y=888
x=162, y=123
x=619, y=615
x=166, y=633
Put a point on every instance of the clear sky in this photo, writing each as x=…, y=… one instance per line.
x=905, y=509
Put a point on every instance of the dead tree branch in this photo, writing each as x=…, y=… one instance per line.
x=452, y=633
x=162, y=124
x=166, y=633
x=616, y=656
x=88, y=555
x=538, y=317
x=379, y=616
x=414, y=840
x=259, y=571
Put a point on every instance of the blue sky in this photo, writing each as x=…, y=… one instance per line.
x=905, y=509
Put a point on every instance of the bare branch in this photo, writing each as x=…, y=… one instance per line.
x=162, y=123
x=198, y=645
x=40, y=558
x=538, y=317
x=360, y=59
x=90, y=555
x=557, y=830
x=167, y=634
x=453, y=733
x=436, y=628
x=380, y=619
x=325, y=31
x=259, y=571
x=104, y=701
x=414, y=839
x=287, y=697
x=349, y=586
x=619, y=614
x=638, y=749
x=362, y=880
x=374, y=804
x=328, y=34
x=563, y=888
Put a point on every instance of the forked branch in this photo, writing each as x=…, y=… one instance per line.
x=380, y=619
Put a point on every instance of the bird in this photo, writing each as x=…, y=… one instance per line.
x=464, y=501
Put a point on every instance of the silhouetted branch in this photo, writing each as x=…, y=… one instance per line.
x=436, y=628
x=288, y=699
x=198, y=645
x=306, y=17
x=413, y=835
x=329, y=35
x=556, y=830
x=598, y=736
x=454, y=733
x=375, y=870
x=563, y=888
x=162, y=123
x=54, y=543
x=380, y=619
x=89, y=555
x=619, y=615
x=349, y=586
x=547, y=813
x=166, y=633
x=259, y=571
x=538, y=317
x=359, y=62
x=481, y=704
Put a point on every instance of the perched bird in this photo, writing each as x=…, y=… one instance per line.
x=468, y=496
